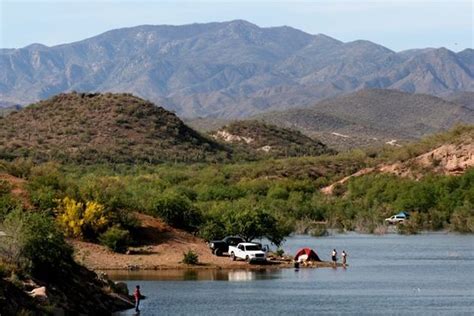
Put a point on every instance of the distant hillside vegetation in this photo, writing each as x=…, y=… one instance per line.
x=373, y=117
x=8, y=109
x=270, y=139
x=463, y=98
x=79, y=127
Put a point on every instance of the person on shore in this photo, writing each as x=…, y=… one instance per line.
x=334, y=256
x=137, y=296
x=344, y=257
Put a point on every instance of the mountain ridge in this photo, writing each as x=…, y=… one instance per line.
x=226, y=69
x=373, y=117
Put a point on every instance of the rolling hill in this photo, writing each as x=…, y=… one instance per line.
x=269, y=139
x=371, y=117
x=228, y=70
x=90, y=128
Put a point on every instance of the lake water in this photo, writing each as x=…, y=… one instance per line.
x=428, y=274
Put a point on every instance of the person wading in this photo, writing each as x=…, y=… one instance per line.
x=344, y=257
x=334, y=256
x=137, y=296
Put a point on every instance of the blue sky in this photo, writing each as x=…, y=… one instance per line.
x=396, y=24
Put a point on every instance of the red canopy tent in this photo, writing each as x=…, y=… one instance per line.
x=312, y=255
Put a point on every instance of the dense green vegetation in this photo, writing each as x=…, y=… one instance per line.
x=270, y=140
x=269, y=198
x=435, y=202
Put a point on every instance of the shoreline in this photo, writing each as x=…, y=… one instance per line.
x=271, y=265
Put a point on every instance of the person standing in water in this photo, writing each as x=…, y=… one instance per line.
x=334, y=256
x=344, y=258
x=137, y=296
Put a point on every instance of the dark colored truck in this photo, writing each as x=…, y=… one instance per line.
x=219, y=247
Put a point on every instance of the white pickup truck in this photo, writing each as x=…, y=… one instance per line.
x=247, y=251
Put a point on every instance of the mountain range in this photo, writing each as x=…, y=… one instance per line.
x=227, y=70
x=374, y=117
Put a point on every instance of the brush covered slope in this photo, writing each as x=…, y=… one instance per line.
x=269, y=139
x=373, y=117
x=88, y=128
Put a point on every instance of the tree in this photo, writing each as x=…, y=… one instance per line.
x=34, y=243
x=256, y=223
x=178, y=211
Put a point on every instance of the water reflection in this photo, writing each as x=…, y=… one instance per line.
x=407, y=270
x=240, y=275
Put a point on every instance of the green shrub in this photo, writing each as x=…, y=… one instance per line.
x=19, y=167
x=34, y=243
x=7, y=205
x=5, y=187
x=116, y=239
x=319, y=230
x=212, y=230
x=279, y=252
x=178, y=211
x=462, y=219
x=278, y=192
x=190, y=257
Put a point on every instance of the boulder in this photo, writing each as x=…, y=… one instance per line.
x=121, y=288
x=39, y=293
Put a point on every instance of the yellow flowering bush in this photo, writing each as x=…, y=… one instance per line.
x=78, y=219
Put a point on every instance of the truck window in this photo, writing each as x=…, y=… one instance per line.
x=252, y=248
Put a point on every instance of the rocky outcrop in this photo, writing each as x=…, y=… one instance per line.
x=448, y=159
x=231, y=138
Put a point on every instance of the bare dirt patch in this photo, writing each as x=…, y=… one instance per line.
x=163, y=247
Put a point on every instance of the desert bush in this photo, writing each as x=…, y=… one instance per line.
x=190, y=258
x=7, y=204
x=34, y=243
x=279, y=252
x=278, y=192
x=81, y=220
x=116, y=239
x=212, y=229
x=462, y=219
x=178, y=211
x=5, y=187
x=19, y=167
x=44, y=198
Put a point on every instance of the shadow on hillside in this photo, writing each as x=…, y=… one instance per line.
x=148, y=235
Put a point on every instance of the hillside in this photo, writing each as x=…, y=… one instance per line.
x=450, y=154
x=269, y=139
x=8, y=109
x=463, y=98
x=89, y=128
x=373, y=117
x=228, y=70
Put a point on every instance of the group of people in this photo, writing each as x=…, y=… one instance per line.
x=343, y=255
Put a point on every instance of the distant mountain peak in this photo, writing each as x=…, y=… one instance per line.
x=226, y=69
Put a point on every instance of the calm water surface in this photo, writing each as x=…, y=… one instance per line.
x=430, y=274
